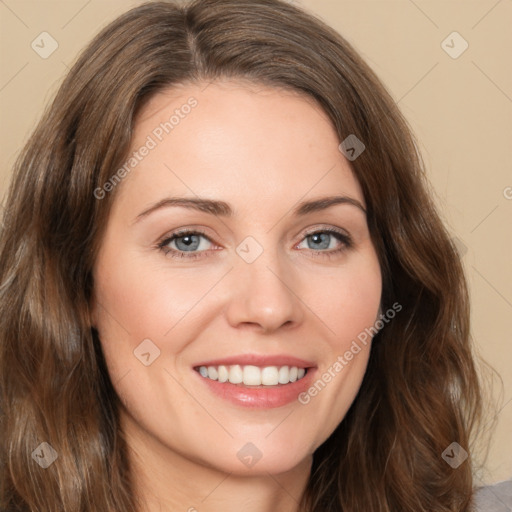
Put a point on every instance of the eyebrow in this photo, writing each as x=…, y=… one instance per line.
x=223, y=209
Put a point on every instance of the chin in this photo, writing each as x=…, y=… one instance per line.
x=246, y=458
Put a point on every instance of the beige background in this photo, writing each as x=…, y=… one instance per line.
x=460, y=109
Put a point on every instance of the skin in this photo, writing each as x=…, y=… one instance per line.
x=261, y=150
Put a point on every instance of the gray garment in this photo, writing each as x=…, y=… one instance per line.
x=494, y=498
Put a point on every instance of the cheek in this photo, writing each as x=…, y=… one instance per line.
x=347, y=300
x=349, y=309
x=144, y=299
x=137, y=301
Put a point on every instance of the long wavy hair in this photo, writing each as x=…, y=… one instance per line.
x=421, y=391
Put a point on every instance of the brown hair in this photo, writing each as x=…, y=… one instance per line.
x=420, y=392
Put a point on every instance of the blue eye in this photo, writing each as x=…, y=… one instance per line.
x=323, y=239
x=188, y=242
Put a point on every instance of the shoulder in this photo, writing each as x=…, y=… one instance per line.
x=494, y=498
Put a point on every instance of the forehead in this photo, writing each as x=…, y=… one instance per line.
x=242, y=142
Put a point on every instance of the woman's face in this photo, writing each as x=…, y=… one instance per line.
x=235, y=346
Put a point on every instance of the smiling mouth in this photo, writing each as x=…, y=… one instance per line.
x=250, y=375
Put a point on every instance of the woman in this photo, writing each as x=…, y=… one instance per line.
x=225, y=285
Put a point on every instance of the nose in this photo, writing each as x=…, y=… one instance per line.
x=262, y=295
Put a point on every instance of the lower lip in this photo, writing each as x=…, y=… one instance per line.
x=264, y=397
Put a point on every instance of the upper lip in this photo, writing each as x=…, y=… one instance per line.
x=258, y=360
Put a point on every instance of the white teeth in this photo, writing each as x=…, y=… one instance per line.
x=236, y=375
x=223, y=374
x=284, y=375
x=251, y=375
x=213, y=373
x=270, y=376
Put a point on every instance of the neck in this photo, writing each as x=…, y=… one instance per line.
x=166, y=480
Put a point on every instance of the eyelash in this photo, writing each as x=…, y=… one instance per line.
x=342, y=237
